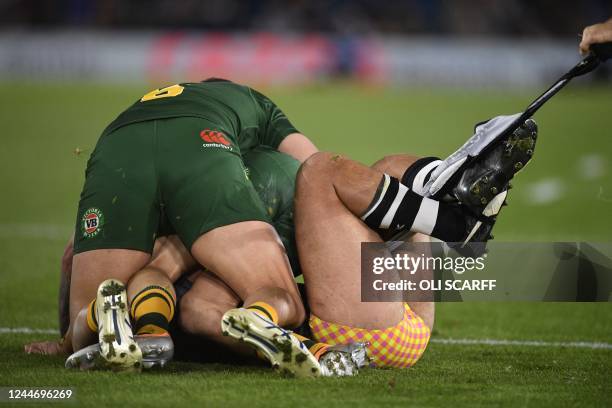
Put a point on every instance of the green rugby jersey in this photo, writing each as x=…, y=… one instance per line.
x=246, y=116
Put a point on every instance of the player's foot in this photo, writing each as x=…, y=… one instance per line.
x=483, y=185
x=117, y=345
x=496, y=144
x=285, y=352
x=489, y=173
x=157, y=351
x=343, y=360
x=87, y=358
x=479, y=227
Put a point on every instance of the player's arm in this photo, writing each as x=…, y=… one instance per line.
x=62, y=346
x=279, y=133
x=298, y=146
x=597, y=33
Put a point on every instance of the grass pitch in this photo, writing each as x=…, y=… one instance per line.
x=565, y=194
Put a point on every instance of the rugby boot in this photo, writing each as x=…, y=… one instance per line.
x=117, y=345
x=157, y=351
x=495, y=145
x=343, y=360
x=285, y=352
x=483, y=185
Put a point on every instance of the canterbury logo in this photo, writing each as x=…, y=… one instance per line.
x=213, y=136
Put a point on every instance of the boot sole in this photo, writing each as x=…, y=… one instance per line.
x=489, y=174
x=118, y=349
x=156, y=353
x=286, y=354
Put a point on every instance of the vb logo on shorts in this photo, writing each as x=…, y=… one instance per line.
x=91, y=223
x=214, y=138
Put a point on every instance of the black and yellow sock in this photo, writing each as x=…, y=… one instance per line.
x=152, y=310
x=92, y=319
x=265, y=310
x=316, y=349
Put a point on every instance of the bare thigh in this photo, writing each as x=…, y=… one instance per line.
x=395, y=166
x=202, y=307
x=329, y=238
x=249, y=257
x=172, y=258
x=329, y=241
x=425, y=310
x=91, y=268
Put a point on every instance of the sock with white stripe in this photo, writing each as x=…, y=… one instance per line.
x=417, y=175
x=396, y=207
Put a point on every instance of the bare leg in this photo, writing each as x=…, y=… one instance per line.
x=383, y=202
x=250, y=259
x=172, y=258
x=169, y=256
x=146, y=277
x=329, y=238
x=203, y=306
x=141, y=281
x=80, y=334
x=425, y=310
x=395, y=165
x=89, y=269
x=151, y=293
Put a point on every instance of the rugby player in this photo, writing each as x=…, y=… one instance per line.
x=340, y=203
x=331, y=226
x=150, y=164
x=201, y=308
x=353, y=191
x=396, y=333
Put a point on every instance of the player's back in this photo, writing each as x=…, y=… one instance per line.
x=232, y=107
x=245, y=116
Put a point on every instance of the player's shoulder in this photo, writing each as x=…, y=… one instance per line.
x=222, y=89
x=227, y=87
x=217, y=83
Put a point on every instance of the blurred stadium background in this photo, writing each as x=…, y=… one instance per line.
x=412, y=42
x=363, y=77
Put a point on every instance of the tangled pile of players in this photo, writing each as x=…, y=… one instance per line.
x=202, y=203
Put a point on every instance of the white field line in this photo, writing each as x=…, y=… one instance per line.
x=469, y=342
x=27, y=330
x=524, y=343
x=35, y=231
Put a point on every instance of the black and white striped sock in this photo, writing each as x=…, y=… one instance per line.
x=396, y=207
x=419, y=172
